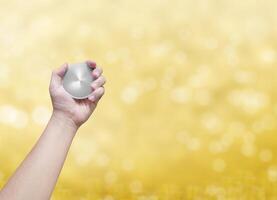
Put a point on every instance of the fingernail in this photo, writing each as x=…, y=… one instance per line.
x=91, y=63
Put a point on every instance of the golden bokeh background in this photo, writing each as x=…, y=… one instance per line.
x=190, y=110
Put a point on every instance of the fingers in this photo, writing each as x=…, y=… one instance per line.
x=91, y=64
x=97, y=85
x=98, y=82
x=97, y=94
x=96, y=73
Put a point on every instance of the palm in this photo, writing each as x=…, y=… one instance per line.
x=78, y=110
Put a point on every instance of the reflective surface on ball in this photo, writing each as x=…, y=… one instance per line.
x=77, y=80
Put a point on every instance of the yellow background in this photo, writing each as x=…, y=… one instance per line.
x=190, y=106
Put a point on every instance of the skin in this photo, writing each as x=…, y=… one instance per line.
x=37, y=175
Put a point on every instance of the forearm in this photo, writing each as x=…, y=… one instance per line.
x=36, y=177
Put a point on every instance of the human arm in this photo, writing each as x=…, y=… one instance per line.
x=37, y=175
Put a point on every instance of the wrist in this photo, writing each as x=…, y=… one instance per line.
x=64, y=120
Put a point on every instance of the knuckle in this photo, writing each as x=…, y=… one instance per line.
x=93, y=85
x=102, y=91
x=100, y=69
x=104, y=79
x=99, y=90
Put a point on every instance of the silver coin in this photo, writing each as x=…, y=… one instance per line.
x=77, y=80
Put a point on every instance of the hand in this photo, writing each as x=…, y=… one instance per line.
x=64, y=106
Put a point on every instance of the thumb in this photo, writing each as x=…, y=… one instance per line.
x=57, y=75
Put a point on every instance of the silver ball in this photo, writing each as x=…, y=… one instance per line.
x=77, y=80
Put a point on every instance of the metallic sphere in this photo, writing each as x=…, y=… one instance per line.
x=77, y=80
